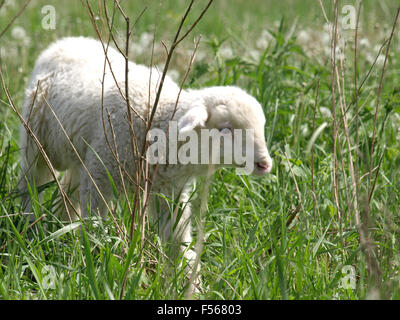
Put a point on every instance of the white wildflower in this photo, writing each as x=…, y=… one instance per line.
x=327, y=27
x=327, y=51
x=325, y=112
x=305, y=131
x=364, y=43
x=303, y=37
x=19, y=34
x=369, y=58
x=263, y=41
x=325, y=39
x=226, y=52
x=340, y=55
x=200, y=55
x=9, y=52
x=146, y=39
x=254, y=54
x=377, y=48
x=380, y=60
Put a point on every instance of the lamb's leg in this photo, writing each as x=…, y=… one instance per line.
x=183, y=231
x=183, y=235
x=91, y=200
x=34, y=173
x=168, y=227
x=178, y=232
x=70, y=184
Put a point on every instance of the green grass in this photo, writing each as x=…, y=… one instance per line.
x=250, y=252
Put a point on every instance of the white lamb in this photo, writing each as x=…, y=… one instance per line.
x=66, y=88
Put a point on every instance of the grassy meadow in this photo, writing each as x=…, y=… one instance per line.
x=324, y=224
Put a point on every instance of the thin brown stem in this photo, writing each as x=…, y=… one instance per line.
x=14, y=18
x=378, y=103
x=312, y=152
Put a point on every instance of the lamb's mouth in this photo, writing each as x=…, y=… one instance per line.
x=259, y=168
x=262, y=168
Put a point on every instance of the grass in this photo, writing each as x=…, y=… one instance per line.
x=250, y=250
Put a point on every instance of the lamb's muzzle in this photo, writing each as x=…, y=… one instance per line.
x=263, y=167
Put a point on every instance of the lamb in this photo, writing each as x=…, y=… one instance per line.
x=65, y=91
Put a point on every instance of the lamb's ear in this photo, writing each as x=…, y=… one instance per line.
x=195, y=117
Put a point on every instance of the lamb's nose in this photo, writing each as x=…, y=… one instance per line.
x=264, y=166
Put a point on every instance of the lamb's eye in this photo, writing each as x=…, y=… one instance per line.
x=225, y=131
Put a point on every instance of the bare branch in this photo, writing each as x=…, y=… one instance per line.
x=14, y=18
x=378, y=98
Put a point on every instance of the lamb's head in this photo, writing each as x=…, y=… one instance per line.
x=239, y=119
